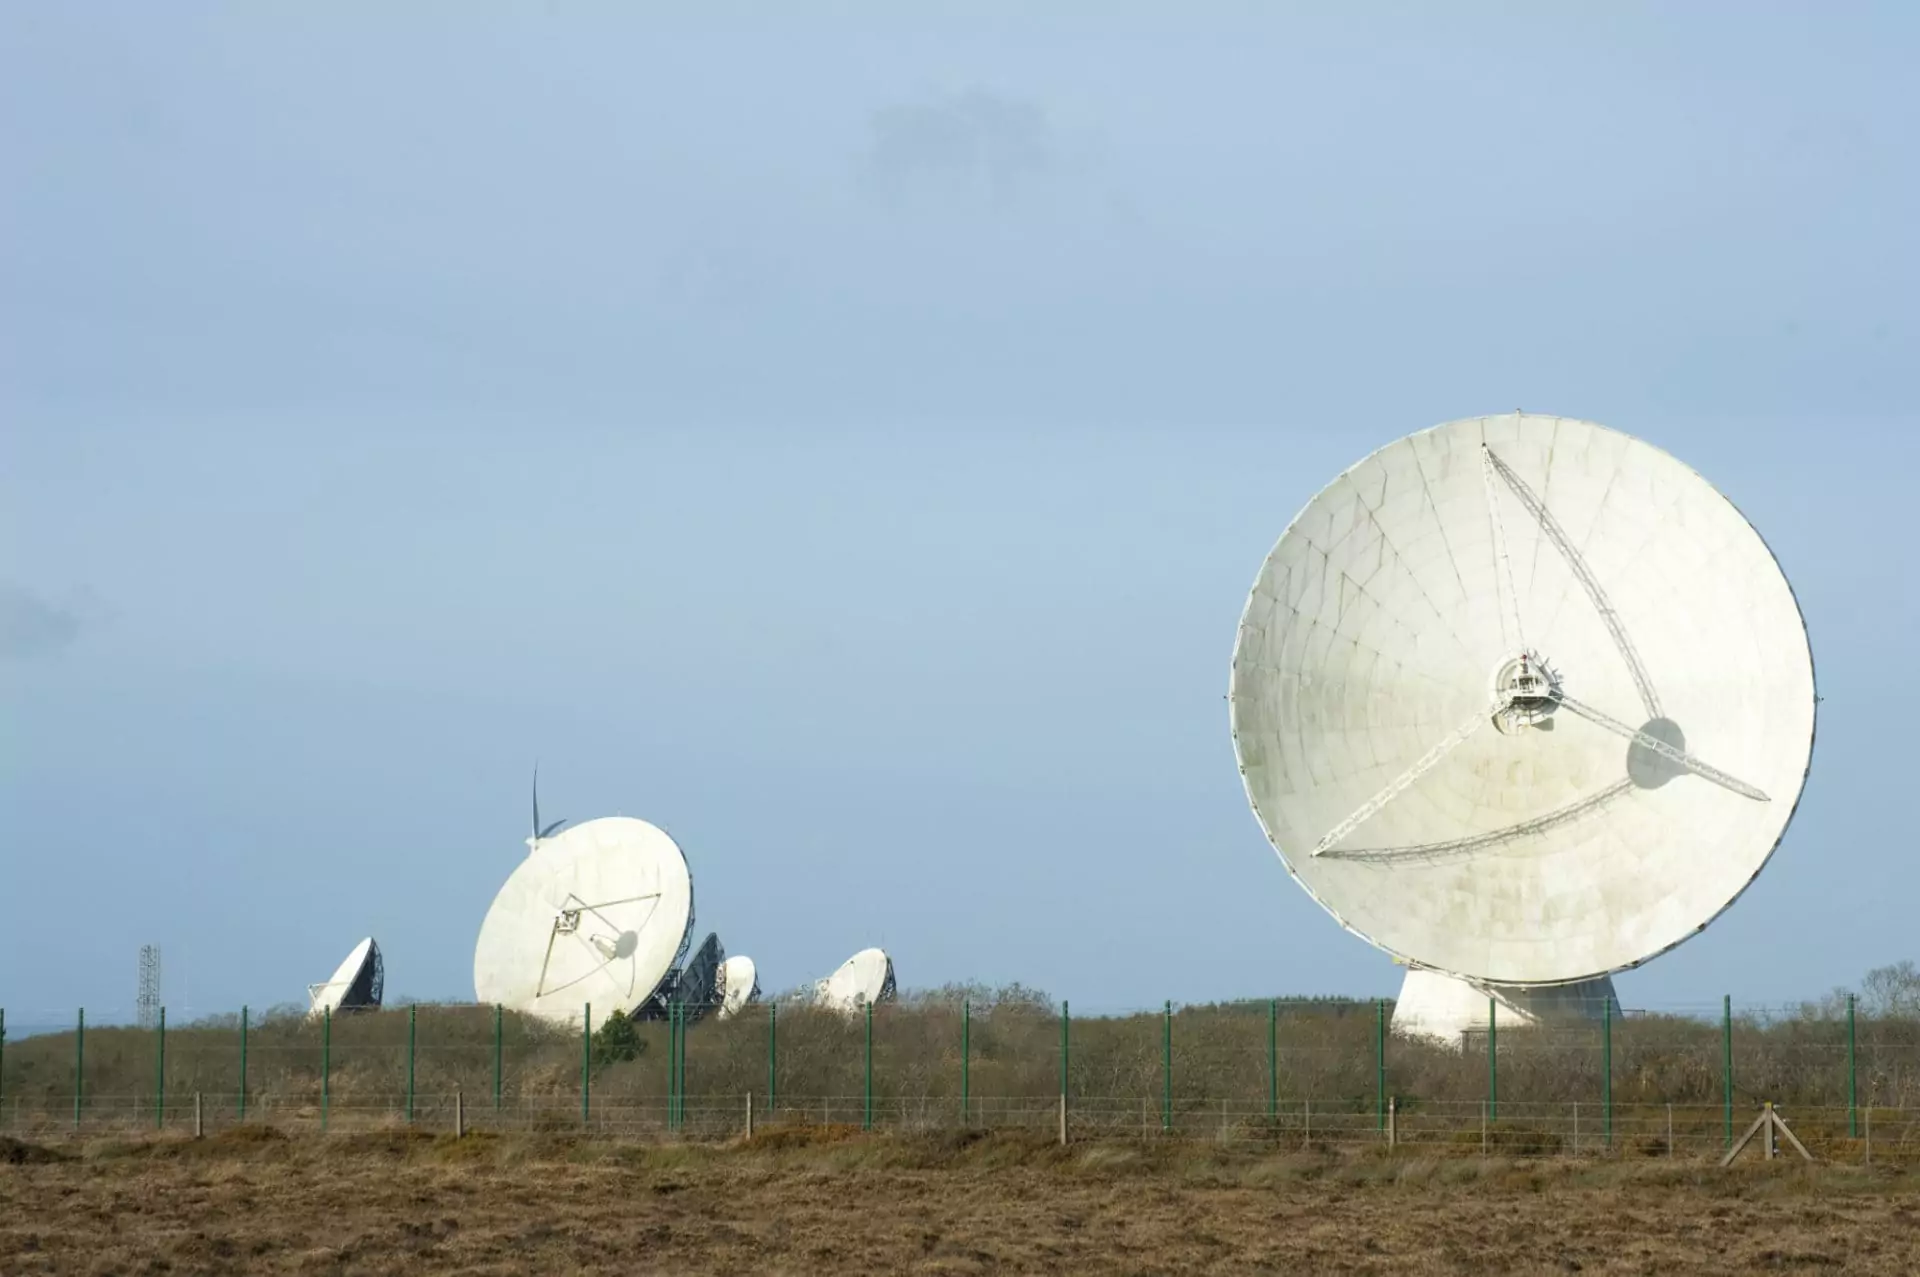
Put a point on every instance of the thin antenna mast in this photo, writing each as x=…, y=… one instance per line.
x=147, y=1006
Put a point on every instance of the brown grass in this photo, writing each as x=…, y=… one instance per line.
x=813, y=1200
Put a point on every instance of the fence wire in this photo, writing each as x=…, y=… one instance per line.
x=1282, y=1074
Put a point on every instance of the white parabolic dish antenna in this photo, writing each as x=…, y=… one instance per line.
x=598, y=914
x=357, y=984
x=863, y=979
x=739, y=984
x=1522, y=700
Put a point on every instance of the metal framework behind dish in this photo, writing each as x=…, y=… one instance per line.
x=375, y=991
x=695, y=990
x=671, y=978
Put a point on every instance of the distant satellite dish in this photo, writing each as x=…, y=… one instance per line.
x=357, y=984
x=601, y=915
x=738, y=985
x=1523, y=701
x=862, y=980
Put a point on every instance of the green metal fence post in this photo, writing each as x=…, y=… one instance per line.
x=1066, y=1049
x=243, y=1064
x=673, y=1066
x=79, y=1064
x=1273, y=1059
x=3, y=1064
x=1606, y=1063
x=966, y=1054
x=326, y=1064
x=586, y=1062
x=1380, y=1064
x=160, y=1075
x=1726, y=1060
x=1493, y=1061
x=1166, y=1071
x=866, y=1121
x=679, y=1044
x=773, y=1057
x=497, y=1057
x=1853, y=1077
x=413, y=1020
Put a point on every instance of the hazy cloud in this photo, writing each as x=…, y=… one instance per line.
x=960, y=145
x=31, y=626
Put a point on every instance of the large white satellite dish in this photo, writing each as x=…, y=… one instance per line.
x=600, y=915
x=357, y=984
x=738, y=985
x=1523, y=701
x=860, y=981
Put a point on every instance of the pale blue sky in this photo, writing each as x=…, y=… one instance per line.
x=846, y=435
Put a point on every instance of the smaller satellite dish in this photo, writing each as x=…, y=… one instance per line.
x=356, y=986
x=862, y=980
x=738, y=985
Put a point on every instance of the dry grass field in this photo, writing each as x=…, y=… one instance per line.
x=829, y=1200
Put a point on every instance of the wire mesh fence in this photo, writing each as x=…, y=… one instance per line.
x=1682, y=1083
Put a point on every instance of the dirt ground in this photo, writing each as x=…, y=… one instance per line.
x=254, y=1201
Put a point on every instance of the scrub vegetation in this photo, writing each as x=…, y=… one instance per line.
x=1196, y=1070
